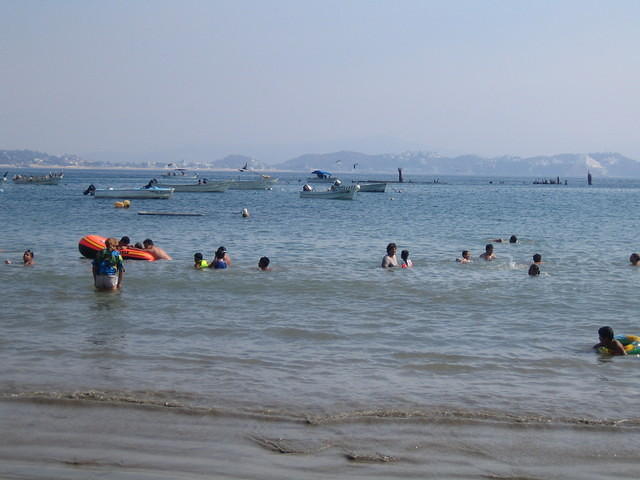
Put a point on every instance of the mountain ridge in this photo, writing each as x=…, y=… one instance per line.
x=604, y=164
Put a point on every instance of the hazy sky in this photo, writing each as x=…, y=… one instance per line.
x=287, y=77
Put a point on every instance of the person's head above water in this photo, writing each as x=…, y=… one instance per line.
x=537, y=258
x=513, y=239
x=197, y=256
x=404, y=255
x=488, y=248
x=111, y=243
x=534, y=270
x=124, y=241
x=263, y=263
x=605, y=333
x=391, y=249
x=220, y=252
x=147, y=243
x=634, y=259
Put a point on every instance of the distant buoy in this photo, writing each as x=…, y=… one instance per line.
x=245, y=213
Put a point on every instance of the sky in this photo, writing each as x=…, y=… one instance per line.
x=278, y=78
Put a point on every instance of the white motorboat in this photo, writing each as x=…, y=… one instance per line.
x=151, y=192
x=49, y=179
x=181, y=173
x=201, y=186
x=263, y=182
x=321, y=177
x=373, y=187
x=336, y=192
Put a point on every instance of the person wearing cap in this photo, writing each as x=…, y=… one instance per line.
x=221, y=259
x=157, y=252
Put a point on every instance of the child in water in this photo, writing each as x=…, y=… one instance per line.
x=607, y=340
x=406, y=262
x=263, y=264
x=198, y=262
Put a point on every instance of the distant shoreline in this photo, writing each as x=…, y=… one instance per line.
x=129, y=167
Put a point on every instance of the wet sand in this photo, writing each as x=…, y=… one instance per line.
x=71, y=439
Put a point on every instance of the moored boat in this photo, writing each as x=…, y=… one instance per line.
x=336, y=192
x=373, y=187
x=181, y=173
x=321, y=177
x=263, y=182
x=202, y=186
x=151, y=192
x=49, y=179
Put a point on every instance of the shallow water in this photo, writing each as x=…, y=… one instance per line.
x=328, y=334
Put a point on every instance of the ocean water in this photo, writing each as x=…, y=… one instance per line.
x=328, y=366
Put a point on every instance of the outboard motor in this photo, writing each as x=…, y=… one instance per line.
x=91, y=190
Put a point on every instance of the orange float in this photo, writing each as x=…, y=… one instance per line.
x=90, y=245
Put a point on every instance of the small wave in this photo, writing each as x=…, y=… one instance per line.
x=173, y=402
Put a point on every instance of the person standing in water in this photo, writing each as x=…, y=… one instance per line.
x=488, y=252
x=390, y=260
x=108, y=267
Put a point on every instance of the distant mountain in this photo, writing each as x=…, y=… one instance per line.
x=31, y=158
x=426, y=163
x=430, y=163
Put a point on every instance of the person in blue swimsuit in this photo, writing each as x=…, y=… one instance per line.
x=221, y=259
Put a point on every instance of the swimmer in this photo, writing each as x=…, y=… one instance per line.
x=513, y=239
x=406, y=261
x=466, y=257
x=537, y=259
x=27, y=258
x=263, y=264
x=534, y=270
x=634, y=259
x=221, y=259
x=198, y=262
x=157, y=252
x=124, y=243
x=488, y=253
x=608, y=341
x=390, y=260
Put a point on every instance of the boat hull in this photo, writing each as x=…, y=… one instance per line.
x=154, y=192
x=262, y=184
x=197, y=187
x=53, y=179
x=373, y=187
x=342, y=193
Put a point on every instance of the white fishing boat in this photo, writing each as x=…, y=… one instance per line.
x=49, y=179
x=263, y=182
x=320, y=176
x=151, y=192
x=373, y=187
x=181, y=173
x=203, y=185
x=335, y=192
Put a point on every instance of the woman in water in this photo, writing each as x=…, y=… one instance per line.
x=221, y=259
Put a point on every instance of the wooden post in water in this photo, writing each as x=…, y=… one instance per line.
x=588, y=177
x=400, y=180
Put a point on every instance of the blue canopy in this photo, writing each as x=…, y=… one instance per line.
x=321, y=173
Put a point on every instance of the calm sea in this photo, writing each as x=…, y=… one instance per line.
x=328, y=366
